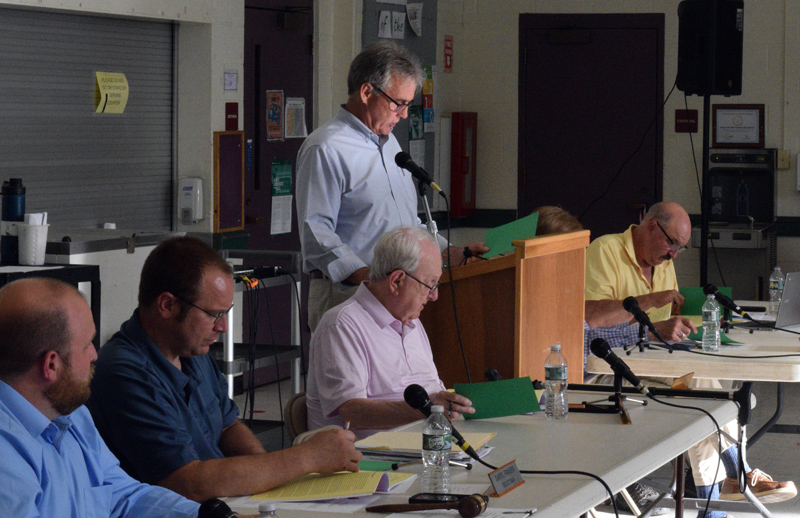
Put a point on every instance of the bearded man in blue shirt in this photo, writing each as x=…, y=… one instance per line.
x=54, y=461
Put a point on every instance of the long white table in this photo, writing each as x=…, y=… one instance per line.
x=658, y=362
x=597, y=443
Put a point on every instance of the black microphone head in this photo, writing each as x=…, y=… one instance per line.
x=600, y=347
x=710, y=289
x=492, y=374
x=630, y=303
x=417, y=397
x=402, y=159
x=215, y=508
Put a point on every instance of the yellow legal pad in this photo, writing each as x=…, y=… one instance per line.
x=337, y=485
x=412, y=441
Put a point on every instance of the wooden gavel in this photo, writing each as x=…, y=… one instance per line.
x=468, y=507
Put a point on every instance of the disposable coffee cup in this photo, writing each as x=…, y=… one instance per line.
x=32, y=243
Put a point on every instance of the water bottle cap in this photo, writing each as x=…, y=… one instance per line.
x=437, y=408
x=265, y=507
x=555, y=347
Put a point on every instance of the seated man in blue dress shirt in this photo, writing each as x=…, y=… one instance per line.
x=161, y=403
x=54, y=462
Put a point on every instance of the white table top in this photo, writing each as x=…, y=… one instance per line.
x=657, y=362
x=597, y=443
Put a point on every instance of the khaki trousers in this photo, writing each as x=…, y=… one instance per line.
x=323, y=294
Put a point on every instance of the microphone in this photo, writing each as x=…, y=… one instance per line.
x=492, y=374
x=403, y=160
x=215, y=508
x=417, y=397
x=725, y=301
x=631, y=305
x=602, y=350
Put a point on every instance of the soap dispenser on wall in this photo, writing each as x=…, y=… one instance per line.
x=190, y=200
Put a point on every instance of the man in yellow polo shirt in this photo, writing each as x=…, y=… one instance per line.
x=638, y=263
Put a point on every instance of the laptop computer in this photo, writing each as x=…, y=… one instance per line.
x=789, y=308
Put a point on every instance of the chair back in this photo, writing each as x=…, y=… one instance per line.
x=296, y=415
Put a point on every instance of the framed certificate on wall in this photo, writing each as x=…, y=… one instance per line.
x=738, y=125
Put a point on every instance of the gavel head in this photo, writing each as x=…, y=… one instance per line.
x=472, y=506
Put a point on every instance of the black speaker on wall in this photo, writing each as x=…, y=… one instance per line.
x=710, y=37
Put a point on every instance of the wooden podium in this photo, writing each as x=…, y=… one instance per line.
x=511, y=309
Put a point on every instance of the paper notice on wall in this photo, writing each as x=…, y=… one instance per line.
x=416, y=149
x=111, y=95
x=398, y=25
x=414, y=12
x=385, y=24
x=415, y=123
x=281, y=222
x=295, y=118
x=274, y=114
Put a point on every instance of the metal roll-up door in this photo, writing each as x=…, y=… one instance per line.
x=82, y=167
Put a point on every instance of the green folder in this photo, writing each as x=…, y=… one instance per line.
x=499, y=239
x=695, y=299
x=499, y=398
x=374, y=465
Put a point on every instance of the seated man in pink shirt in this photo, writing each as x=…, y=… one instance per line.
x=367, y=350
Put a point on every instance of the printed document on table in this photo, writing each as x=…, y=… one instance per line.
x=336, y=485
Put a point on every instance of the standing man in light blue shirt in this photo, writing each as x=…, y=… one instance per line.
x=54, y=462
x=349, y=189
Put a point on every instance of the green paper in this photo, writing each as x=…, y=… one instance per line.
x=499, y=398
x=723, y=338
x=499, y=239
x=695, y=298
x=374, y=465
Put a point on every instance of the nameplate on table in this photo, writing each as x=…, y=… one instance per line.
x=505, y=478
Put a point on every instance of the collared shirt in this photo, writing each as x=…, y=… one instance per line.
x=360, y=351
x=618, y=335
x=155, y=417
x=349, y=193
x=63, y=468
x=612, y=273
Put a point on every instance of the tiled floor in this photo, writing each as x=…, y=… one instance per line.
x=776, y=454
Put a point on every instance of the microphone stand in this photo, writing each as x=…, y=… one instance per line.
x=432, y=228
x=616, y=405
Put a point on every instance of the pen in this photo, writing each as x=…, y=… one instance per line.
x=347, y=425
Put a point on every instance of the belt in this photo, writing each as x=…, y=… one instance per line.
x=316, y=274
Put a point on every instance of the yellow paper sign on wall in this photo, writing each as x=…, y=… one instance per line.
x=112, y=92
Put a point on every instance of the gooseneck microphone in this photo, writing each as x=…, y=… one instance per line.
x=403, y=160
x=417, y=397
x=631, y=305
x=724, y=300
x=602, y=350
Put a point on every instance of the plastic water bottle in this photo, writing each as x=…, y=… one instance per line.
x=776, y=281
x=267, y=510
x=555, y=384
x=436, y=439
x=711, y=313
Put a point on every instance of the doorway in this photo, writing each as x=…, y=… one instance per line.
x=277, y=58
x=590, y=120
